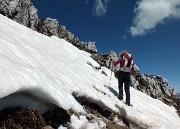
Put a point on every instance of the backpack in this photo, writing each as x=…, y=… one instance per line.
x=129, y=66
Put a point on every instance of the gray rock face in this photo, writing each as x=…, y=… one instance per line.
x=155, y=86
x=49, y=27
x=89, y=45
x=23, y=12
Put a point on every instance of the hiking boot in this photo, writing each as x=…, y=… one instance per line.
x=129, y=104
x=120, y=97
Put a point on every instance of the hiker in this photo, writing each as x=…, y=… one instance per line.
x=126, y=68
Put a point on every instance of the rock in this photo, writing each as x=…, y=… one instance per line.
x=89, y=45
x=49, y=27
x=144, y=80
x=134, y=82
x=21, y=11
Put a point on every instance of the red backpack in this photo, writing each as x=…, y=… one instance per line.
x=130, y=63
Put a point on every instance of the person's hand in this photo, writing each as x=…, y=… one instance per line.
x=113, y=62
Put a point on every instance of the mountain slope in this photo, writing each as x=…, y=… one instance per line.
x=25, y=13
x=54, y=71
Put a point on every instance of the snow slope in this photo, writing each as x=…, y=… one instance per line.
x=52, y=70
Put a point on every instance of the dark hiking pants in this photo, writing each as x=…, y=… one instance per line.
x=124, y=77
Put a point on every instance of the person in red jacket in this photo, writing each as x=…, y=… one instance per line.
x=126, y=68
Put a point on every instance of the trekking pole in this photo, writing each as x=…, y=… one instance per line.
x=110, y=76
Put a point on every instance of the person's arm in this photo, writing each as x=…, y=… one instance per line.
x=117, y=62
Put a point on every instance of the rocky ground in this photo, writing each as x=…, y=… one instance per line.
x=29, y=118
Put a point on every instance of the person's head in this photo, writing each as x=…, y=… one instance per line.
x=122, y=53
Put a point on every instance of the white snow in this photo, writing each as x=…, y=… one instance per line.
x=82, y=123
x=51, y=69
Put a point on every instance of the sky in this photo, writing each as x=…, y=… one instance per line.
x=149, y=30
x=35, y=73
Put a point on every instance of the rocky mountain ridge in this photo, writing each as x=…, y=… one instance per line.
x=23, y=12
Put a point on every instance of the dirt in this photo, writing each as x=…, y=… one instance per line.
x=20, y=118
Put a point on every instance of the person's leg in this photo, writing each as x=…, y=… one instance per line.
x=120, y=86
x=127, y=88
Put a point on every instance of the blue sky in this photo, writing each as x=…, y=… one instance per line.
x=150, y=30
